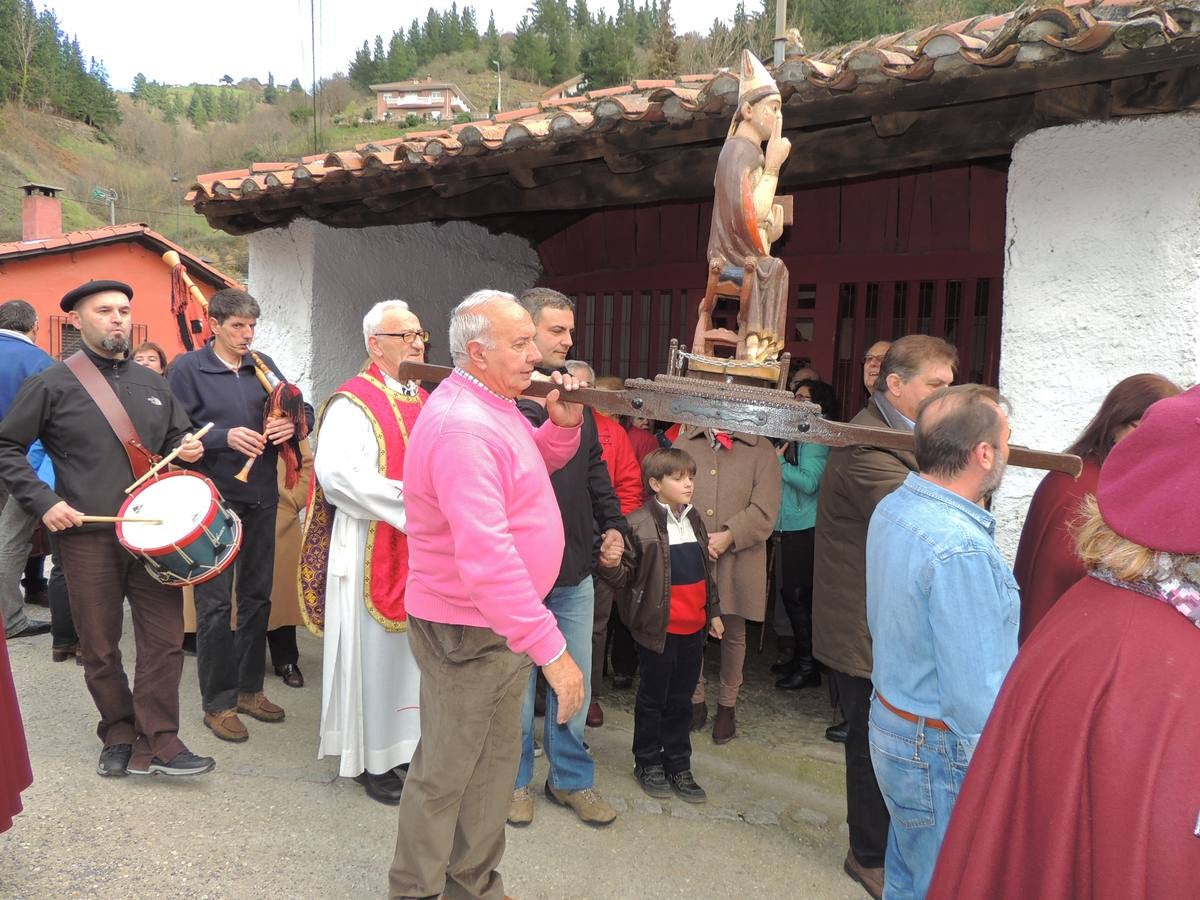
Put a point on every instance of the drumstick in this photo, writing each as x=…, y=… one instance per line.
x=119, y=519
x=166, y=459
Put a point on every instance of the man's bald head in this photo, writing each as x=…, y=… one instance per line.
x=952, y=422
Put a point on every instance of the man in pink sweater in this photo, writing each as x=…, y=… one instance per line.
x=485, y=544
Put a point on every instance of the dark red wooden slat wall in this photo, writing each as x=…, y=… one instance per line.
x=937, y=234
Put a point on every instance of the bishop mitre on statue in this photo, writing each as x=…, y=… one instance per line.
x=746, y=219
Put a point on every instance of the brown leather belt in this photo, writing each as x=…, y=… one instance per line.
x=937, y=724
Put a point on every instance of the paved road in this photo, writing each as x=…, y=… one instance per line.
x=274, y=821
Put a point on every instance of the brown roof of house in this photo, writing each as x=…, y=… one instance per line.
x=881, y=81
x=112, y=234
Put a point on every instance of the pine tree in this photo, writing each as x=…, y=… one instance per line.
x=195, y=110
x=295, y=87
x=270, y=92
x=362, y=68
x=581, y=19
x=531, y=53
x=664, y=48
x=607, y=56
x=491, y=40
x=469, y=28
x=451, y=30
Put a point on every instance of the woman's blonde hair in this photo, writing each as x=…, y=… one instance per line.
x=1102, y=548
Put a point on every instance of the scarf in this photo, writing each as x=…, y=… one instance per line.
x=1170, y=583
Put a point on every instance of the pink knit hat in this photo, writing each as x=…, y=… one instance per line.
x=1149, y=491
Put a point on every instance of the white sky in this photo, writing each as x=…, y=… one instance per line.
x=181, y=41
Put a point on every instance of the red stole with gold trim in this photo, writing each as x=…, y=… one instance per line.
x=385, y=568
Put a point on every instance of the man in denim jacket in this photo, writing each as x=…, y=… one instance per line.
x=943, y=610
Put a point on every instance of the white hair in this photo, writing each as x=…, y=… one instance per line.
x=468, y=324
x=374, y=317
x=574, y=365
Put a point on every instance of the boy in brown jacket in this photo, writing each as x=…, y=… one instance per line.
x=671, y=601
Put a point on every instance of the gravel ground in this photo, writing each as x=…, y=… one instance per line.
x=274, y=821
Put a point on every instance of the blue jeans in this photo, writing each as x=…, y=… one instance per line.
x=571, y=769
x=920, y=772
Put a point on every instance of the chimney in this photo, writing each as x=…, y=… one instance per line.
x=41, y=212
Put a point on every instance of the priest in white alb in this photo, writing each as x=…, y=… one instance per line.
x=354, y=562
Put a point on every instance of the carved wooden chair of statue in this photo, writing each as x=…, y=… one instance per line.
x=730, y=282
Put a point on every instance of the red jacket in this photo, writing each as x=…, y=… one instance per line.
x=1085, y=781
x=1047, y=564
x=623, y=468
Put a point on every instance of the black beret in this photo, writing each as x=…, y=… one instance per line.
x=93, y=287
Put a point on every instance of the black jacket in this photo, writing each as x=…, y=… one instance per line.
x=585, y=497
x=91, y=469
x=645, y=569
x=212, y=392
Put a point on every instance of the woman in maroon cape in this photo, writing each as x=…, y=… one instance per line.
x=1047, y=564
x=15, y=773
x=1086, y=781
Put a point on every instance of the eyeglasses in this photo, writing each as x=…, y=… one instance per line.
x=407, y=336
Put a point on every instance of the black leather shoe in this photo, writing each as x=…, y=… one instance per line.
x=291, y=675
x=114, y=761
x=185, y=762
x=385, y=788
x=785, y=666
x=684, y=785
x=653, y=780
x=801, y=678
x=33, y=629
x=837, y=733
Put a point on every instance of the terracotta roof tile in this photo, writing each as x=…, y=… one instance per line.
x=112, y=234
x=1041, y=35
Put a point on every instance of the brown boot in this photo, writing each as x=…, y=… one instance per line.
x=724, y=728
x=257, y=706
x=699, y=716
x=226, y=725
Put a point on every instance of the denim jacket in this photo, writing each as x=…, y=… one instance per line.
x=942, y=606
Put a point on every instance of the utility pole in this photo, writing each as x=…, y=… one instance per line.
x=499, y=103
x=109, y=196
x=780, y=30
x=178, y=200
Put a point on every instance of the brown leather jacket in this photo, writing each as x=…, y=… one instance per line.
x=645, y=569
x=855, y=480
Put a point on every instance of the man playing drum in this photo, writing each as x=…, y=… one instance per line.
x=217, y=383
x=139, y=729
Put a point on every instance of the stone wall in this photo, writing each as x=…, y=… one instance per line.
x=1102, y=278
x=315, y=283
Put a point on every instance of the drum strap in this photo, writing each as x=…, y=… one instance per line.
x=105, y=398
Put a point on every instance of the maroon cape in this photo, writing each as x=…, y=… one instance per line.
x=1086, y=782
x=15, y=774
x=1047, y=564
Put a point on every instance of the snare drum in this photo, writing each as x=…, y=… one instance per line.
x=199, y=536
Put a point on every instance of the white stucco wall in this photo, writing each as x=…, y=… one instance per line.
x=317, y=282
x=1102, y=278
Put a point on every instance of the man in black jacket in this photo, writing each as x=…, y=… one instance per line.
x=139, y=730
x=217, y=383
x=588, y=505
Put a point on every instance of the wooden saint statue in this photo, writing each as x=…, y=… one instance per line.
x=746, y=217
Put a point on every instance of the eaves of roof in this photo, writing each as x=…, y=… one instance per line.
x=73, y=241
x=1034, y=48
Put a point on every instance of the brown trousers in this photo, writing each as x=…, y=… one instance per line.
x=733, y=660
x=100, y=575
x=459, y=785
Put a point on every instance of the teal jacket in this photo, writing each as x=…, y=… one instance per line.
x=798, y=507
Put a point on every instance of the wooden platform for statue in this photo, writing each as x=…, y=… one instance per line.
x=728, y=370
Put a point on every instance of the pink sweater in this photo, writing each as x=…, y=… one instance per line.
x=485, y=537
